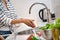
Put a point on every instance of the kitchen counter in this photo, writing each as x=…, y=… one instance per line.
x=22, y=37
x=18, y=37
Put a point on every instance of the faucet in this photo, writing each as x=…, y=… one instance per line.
x=48, y=11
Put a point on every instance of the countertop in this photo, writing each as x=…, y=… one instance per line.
x=18, y=37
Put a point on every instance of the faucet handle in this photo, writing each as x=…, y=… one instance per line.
x=53, y=16
x=41, y=15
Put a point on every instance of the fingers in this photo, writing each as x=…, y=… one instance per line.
x=32, y=23
x=29, y=22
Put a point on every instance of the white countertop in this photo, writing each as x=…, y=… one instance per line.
x=22, y=37
x=18, y=37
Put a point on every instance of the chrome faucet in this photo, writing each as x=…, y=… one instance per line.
x=48, y=11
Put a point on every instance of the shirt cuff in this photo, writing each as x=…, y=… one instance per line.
x=8, y=22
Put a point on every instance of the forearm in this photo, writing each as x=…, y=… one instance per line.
x=16, y=21
x=25, y=21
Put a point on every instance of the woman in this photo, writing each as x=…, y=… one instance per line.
x=8, y=18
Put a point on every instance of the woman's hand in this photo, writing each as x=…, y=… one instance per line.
x=25, y=21
x=28, y=22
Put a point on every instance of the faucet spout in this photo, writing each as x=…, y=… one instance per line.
x=48, y=11
x=35, y=4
